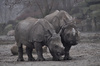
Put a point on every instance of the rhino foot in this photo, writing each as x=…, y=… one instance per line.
x=40, y=59
x=20, y=59
x=32, y=59
x=67, y=58
x=56, y=59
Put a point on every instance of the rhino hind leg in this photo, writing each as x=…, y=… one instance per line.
x=29, y=53
x=39, y=50
x=20, y=53
x=67, y=55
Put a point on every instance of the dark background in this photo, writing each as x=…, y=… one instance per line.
x=86, y=12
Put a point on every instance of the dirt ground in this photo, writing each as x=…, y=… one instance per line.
x=83, y=54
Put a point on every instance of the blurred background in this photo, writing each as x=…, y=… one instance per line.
x=86, y=12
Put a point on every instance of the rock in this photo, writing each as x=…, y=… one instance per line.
x=8, y=28
x=79, y=15
x=11, y=33
x=74, y=10
x=14, y=49
x=94, y=7
x=83, y=4
x=91, y=2
x=96, y=14
x=85, y=10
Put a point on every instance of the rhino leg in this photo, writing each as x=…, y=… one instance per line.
x=20, y=53
x=39, y=50
x=67, y=55
x=29, y=53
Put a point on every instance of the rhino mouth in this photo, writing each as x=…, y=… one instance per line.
x=59, y=54
x=57, y=57
x=73, y=43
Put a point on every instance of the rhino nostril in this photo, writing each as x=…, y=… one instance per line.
x=58, y=53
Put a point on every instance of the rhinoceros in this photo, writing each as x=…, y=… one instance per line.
x=35, y=33
x=59, y=21
x=70, y=37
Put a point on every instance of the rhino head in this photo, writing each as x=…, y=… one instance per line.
x=55, y=46
x=70, y=34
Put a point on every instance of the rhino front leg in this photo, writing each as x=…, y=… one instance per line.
x=29, y=53
x=67, y=55
x=39, y=50
x=20, y=53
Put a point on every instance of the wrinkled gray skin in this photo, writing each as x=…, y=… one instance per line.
x=59, y=19
x=35, y=33
x=69, y=37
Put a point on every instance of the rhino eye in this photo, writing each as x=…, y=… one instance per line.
x=68, y=35
x=56, y=46
x=58, y=53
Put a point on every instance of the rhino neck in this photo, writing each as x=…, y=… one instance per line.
x=50, y=46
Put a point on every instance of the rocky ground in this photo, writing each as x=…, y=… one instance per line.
x=83, y=54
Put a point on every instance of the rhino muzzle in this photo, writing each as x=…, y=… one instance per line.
x=73, y=43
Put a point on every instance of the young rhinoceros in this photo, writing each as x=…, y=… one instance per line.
x=35, y=34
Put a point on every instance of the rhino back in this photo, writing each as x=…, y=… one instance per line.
x=51, y=16
x=39, y=31
x=22, y=30
x=56, y=19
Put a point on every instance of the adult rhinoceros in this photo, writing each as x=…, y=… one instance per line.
x=69, y=37
x=35, y=33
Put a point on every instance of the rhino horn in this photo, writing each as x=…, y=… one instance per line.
x=60, y=31
x=79, y=34
x=62, y=28
x=73, y=31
